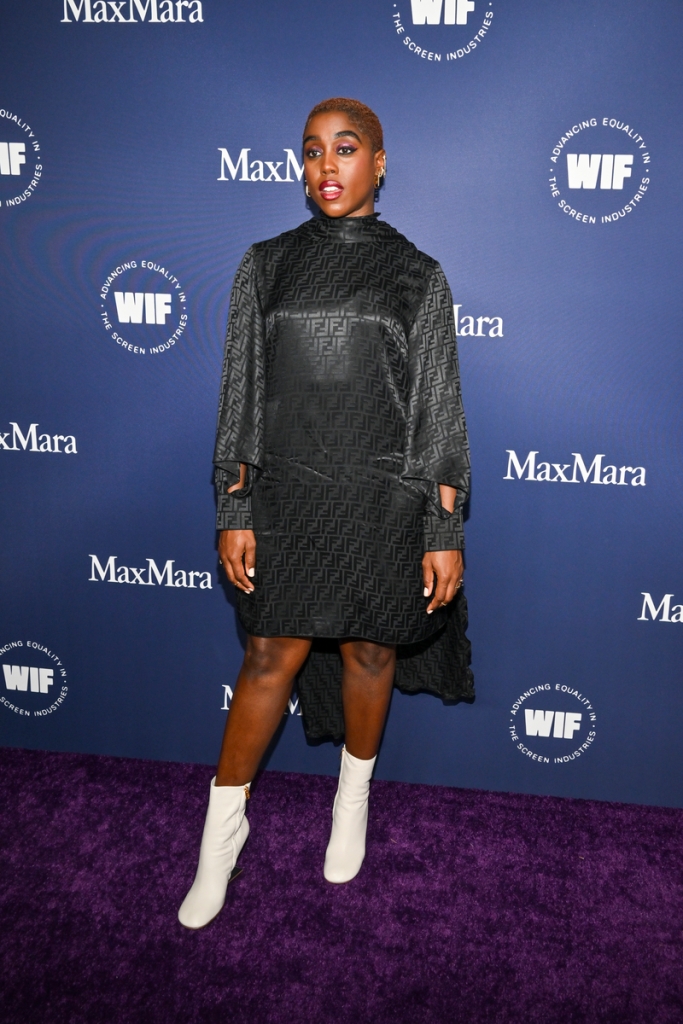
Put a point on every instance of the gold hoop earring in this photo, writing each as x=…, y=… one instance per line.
x=307, y=192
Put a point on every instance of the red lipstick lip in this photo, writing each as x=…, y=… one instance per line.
x=333, y=190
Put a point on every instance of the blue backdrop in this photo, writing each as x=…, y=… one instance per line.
x=534, y=148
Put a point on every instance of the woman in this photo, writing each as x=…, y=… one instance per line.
x=342, y=468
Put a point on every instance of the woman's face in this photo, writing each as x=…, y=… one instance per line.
x=339, y=166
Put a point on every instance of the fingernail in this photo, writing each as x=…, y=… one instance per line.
x=429, y=611
x=426, y=592
x=250, y=572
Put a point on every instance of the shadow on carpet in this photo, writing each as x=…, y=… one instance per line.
x=471, y=907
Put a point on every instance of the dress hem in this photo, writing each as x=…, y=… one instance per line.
x=353, y=634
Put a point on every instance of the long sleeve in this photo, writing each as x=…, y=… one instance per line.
x=239, y=435
x=437, y=450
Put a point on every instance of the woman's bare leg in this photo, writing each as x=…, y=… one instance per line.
x=263, y=688
x=366, y=692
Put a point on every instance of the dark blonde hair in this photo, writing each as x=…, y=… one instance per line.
x=358, y=113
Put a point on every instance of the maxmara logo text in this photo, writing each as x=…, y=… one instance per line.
x=592, y=166
x=21, y=163
x=575, y=472
x=473, y=326
x=441, y=30
x=662, y=612
x=148, y=576
x=132, y=12
x=15, y=440
x=293, y=706
x=243, y=168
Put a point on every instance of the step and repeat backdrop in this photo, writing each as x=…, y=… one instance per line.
x=534, y=148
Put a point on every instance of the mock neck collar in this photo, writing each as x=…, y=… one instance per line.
x=347, y=228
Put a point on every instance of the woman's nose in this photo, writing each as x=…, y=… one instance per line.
x=329, y=163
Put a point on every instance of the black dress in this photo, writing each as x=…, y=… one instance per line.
x=341, y=393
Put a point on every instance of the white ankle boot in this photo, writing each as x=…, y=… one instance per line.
x=346, y=848
x=225, y=832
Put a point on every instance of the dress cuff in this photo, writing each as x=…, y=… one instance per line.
x=445, y=532
x=234, y=511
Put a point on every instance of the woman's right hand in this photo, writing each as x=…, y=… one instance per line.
x=237, y=552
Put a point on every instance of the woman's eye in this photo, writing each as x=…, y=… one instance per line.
x=313, y=153
x=346, y=150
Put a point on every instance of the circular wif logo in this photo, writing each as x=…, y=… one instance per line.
x=552, y=724
x=21, y=164
x=600, y=170
x=33, y=679
x=143, y=307
x=441, y=30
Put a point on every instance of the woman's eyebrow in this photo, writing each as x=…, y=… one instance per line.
x=338, y=135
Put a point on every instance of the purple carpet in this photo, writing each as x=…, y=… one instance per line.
x=471, y=907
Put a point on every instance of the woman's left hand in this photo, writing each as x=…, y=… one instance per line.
x=445, y=568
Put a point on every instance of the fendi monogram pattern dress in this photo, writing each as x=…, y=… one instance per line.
x=341, y=393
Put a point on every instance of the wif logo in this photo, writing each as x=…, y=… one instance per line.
x=600, y=171
x=583, y=168
x=442, y=22
x=20, y=158
x=539, y=723
x=131, y=305
x=545, y=728
x=17, y=678
x=155, y=309
x=12, y=156
x=428, y=12
x=34, y=690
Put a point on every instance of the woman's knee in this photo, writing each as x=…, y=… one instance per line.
x=273, y=659
x=261, y=658
x=369, y=658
